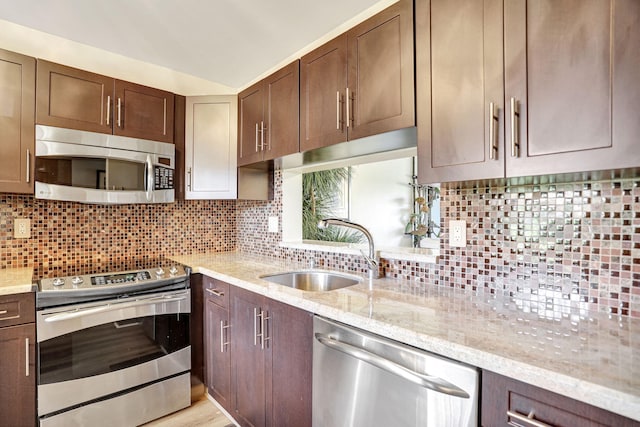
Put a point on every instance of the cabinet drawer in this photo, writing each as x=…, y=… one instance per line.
x=16, y=309
x=216, y=291
x=508, y=402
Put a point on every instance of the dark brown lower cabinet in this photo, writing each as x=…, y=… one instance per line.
x=17, y=360
x=271, y=357
x=218, y=353
x=508, y=402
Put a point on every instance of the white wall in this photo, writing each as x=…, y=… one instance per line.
x=27, y=41
x=381, y=200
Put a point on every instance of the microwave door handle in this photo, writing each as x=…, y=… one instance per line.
x=150, y=184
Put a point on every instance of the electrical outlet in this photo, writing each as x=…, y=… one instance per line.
x=458, y=234
x=273, y=224
x=22, y=228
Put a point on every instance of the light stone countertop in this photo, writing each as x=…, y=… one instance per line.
x=16, y=280
x=591, y=357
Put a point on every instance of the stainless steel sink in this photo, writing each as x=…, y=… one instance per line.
x=314, y=280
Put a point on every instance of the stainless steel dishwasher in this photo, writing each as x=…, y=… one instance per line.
x=364, y=380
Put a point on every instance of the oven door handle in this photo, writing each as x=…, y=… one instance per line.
x=66, y=315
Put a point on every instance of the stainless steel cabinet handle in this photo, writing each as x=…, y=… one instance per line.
x=347, y=100
x=189, y=180
x=263, y=329
x=215, y=292
x=255, y=326
x=119, y=112
x=493, y=119
x=108, y=109
x=264, y=132
x=338, y=110
x=223, y=342
x=515, y=128
x=261, y=136
x=3, y=312
x=28, y=178
x=426, y=381
x=528, y=420
x=26, y=357
x=257, y=130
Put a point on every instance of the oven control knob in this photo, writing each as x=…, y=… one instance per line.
x=58, y=282
x=160, y=272
x=77, y=280
x=173, y=270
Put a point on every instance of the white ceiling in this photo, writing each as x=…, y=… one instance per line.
x=230, y=42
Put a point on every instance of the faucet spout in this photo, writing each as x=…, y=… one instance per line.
x=371, y=259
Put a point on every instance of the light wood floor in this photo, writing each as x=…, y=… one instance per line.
x=201, y=413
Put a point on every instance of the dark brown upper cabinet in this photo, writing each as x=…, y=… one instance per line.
x=519, y=88
x=17, y=131
x=360, y=83
x=77, y=99
x=268, y=117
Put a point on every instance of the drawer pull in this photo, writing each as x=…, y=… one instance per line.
x=215, y=292
x=527, y=420
x=17, y=316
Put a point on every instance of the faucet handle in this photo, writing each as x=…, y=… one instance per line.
x=312, y=263
x=372, y=262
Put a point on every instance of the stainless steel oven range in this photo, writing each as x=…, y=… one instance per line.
x=113, y=349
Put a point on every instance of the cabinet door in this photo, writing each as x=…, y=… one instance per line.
x=572, y=70
x=217, y=353
x=17, y=110
x=289, y=366
x=507, y=402
x=18, y=375
x=323, y=82
x=282, y=97
x=459, y=76
x=250, y=124
x=210, y=147
x=70, y=98
x=247, y=367
x=143, y=112
x=381, y=68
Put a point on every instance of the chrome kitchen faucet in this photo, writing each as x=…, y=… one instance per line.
x=371, y=260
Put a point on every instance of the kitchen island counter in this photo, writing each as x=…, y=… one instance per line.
x=590, y=357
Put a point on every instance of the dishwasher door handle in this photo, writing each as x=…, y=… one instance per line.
x=426, y=381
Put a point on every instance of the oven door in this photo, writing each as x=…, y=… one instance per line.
x=96, y=350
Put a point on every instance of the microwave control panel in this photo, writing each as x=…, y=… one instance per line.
x=163, y=178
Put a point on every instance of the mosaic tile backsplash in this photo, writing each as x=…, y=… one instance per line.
x=554, y=248
x=73, y=238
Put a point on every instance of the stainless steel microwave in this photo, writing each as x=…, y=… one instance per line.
x=91, y=167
